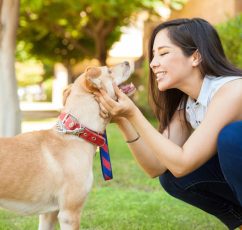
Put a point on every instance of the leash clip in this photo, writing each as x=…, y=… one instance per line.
x=62, y=129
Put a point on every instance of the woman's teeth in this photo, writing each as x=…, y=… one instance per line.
x=160, y=75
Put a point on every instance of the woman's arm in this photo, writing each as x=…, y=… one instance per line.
x=144, y=156
x=179, y=133
x=200, y=146
x=179, y=129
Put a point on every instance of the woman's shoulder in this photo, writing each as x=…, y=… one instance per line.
x=220, y=79
x=227, y=100
x=214, y=84
x=231, y=90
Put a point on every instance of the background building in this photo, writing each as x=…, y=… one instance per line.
x=214, y=11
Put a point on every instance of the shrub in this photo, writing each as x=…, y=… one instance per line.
x=231, y=35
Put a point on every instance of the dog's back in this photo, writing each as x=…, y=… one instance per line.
x=34, y=167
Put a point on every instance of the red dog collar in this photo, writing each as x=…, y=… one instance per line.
x=69, y=124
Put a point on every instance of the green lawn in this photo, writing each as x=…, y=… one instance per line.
x=131, y=201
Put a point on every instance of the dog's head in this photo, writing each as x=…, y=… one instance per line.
x=104, y=77
x=96, y=78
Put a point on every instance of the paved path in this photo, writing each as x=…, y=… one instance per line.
x=38, y=110
x=39, y=106
x=38, y=115
x=34, y=126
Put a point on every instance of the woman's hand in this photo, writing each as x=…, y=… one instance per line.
x=123, y=107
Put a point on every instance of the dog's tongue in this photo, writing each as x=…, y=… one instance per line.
x=128, y=89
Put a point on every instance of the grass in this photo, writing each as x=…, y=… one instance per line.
x=131, y=201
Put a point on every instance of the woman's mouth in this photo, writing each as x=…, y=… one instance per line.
x=160, y=75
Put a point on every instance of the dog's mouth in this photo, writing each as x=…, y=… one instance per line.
x=128, y=89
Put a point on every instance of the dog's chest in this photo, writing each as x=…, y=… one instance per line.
x=27, y=208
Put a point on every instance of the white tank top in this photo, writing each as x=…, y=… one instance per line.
x=196, y=110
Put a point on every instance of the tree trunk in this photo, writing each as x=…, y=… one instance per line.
x=10, y=124
x=101, y=50
x=69, y=73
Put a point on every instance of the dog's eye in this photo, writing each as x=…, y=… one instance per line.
x=109, y=71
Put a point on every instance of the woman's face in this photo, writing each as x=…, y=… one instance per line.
x=169, y=65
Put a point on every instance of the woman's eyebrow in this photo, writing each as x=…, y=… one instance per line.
x=161, y=47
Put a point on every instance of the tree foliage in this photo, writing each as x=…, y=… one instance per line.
x=69, y=31
x=231, y=35
x=176, y=4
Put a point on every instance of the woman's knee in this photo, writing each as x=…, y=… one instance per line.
x=169, y=183
x=229, y=137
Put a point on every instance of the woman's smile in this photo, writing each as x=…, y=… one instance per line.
x=160, y=75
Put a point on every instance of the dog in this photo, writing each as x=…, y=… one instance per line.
x=49, y=172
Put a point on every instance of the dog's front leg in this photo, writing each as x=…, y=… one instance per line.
x=47, y=221
x=69, y=219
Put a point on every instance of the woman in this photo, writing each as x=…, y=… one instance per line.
x=197, y=95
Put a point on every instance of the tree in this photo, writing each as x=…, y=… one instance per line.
x=230, y=33
x=70, y=31
x=9, y=106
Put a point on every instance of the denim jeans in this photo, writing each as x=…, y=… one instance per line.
x=215, y=187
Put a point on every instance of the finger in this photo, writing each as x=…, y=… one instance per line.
x=103, y=92
x=102, y=87
x=103, y=95
x=108, y=100
x=102, y=101
x=103, y=112
x=117, y=90
x=105, y=104
x=97, y=94
x=103, y=109
x=97, y=99
x=104, y=115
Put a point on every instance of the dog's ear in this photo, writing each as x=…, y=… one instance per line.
x=66, y=93
x=92, y=75
x=93, y=72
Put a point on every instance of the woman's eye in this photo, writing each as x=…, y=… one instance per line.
x=162, y=54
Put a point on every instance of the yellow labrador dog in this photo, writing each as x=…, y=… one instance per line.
x=49, y=172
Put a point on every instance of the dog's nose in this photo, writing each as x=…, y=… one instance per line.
x=126, y=63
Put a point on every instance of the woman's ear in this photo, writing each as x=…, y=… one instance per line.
x=66, y=93
x=196, y=58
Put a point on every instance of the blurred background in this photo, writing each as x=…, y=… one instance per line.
x=46, y=44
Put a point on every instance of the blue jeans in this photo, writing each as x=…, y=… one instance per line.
x=215, y=187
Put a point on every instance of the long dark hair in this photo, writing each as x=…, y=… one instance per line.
x=190, y=35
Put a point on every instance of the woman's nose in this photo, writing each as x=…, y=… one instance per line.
x=154, y=63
